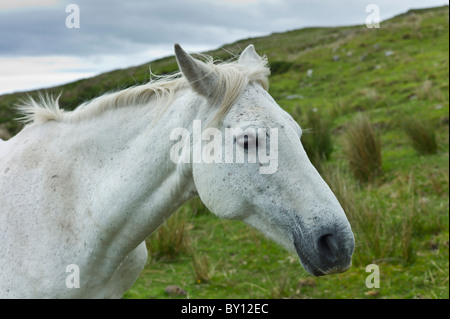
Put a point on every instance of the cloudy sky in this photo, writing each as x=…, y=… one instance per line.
x=38, y=49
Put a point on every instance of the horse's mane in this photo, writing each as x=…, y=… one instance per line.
x=233, y=78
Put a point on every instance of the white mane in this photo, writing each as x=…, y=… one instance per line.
x=233, y=78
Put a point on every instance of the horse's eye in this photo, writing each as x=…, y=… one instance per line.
x=247, y=141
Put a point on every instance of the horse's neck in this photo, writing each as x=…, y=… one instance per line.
x=138, y=186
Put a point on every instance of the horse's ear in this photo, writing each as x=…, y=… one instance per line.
x=249, y=56
x=202, y=78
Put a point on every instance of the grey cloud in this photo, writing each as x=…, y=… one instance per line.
x=121, y=27
x=118, y=26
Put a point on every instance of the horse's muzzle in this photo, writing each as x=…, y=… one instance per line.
x=326, y=253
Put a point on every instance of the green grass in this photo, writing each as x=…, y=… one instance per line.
x=401, y=221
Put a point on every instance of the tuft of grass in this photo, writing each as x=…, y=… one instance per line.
x=362, y=147
x=383, y=231
x=280, y=67
x=428, y=92
x=370, y=94
x=317, y=138
x=421, y=135
x=200, y=265
x=281, y=288
x=343, y=187
x=172, y=238
x=439, y=181
x=198, y=208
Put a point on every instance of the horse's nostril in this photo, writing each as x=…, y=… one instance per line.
x=327, y=247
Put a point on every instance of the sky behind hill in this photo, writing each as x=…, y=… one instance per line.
x=41, y=46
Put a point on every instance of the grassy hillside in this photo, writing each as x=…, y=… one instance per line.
x=396, y=77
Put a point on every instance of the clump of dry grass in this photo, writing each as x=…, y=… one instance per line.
x=172, y=238
x=439, y=180
x=383, y=229
x=421, y=135
x=200, y=265
x=281, y=288
x=371, y=95
x=198, y=208
x=426, y=91
x=342, y=186
x=362, y=146
x=317, y=138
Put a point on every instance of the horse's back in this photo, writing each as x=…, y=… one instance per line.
x=37, y=227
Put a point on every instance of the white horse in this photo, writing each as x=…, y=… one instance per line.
x=82, y=190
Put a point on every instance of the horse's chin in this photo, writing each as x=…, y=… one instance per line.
x=313, y=265
x=307, y=264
